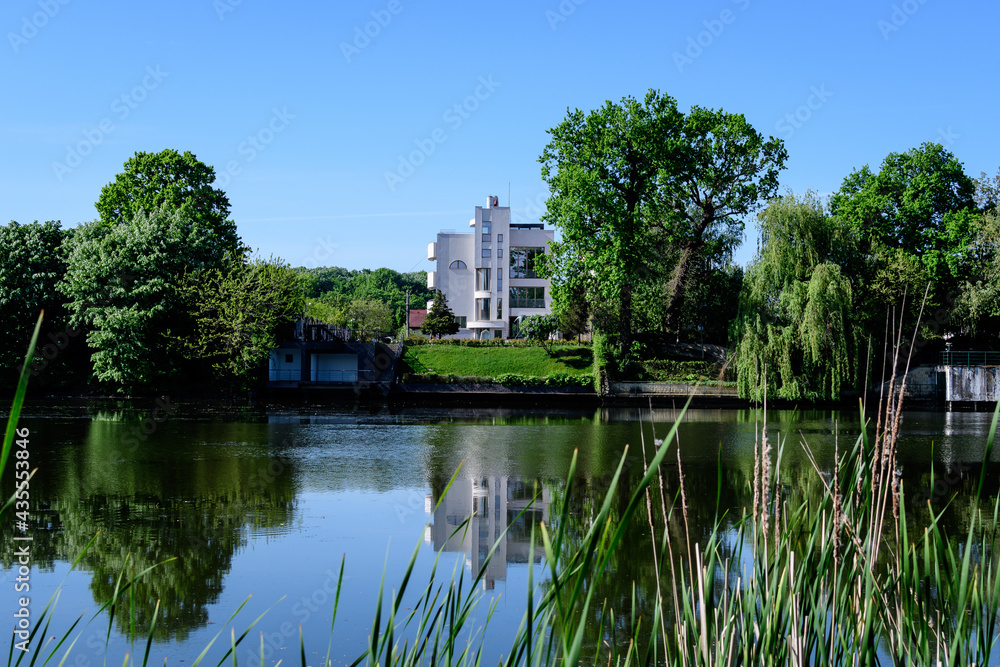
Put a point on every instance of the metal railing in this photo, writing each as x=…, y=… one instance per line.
x=970, y=358
x=341, y=376
x=295, y=375
x=527, y=303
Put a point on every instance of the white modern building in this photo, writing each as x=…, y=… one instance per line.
x=489, y=275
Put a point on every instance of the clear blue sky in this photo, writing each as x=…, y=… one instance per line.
x=332, y=111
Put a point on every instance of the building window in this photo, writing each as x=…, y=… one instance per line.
x=499, y=238
x=499, y=253
x=482, y=279
x=499, y=282
x=523, y=262
x=457, y=264
x=499, y=309
x=487, y=253
x=482, y=309
x=486, y=238
x=289, y=358
x=486, y=226
x=527, y=297
x=461, y=321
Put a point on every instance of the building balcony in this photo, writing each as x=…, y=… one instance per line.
x=432, y=280
x=432, y=250
x=527, y=303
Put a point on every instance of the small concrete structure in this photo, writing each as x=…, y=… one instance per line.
x=971, y=384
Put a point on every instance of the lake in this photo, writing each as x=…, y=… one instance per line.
x=265, y=502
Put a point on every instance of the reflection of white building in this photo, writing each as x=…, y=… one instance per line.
x=489, y=276
x=495, y=504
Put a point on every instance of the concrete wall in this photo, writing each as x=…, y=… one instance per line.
x=972, y=383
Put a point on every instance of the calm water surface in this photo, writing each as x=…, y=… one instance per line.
x=266, y=503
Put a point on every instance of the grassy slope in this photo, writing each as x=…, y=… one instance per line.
x=493, y=361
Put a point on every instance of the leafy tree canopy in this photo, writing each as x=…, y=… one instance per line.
x=796, y=318
x=121, y=281
x=920, y=203
x=177, y=181
x=630, y=179
x=32, y=262
x=238, y=310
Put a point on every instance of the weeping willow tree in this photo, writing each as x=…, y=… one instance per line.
x=796, y=319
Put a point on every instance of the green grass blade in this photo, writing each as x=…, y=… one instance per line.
x=22, y=389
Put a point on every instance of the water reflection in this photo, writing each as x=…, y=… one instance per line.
x=496, y=506
x=202, y=488
x=182, y=497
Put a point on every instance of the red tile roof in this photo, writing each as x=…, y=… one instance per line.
x=417, y=317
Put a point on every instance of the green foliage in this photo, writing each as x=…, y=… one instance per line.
x=636, y=183
x=664, y=370
x=122, y=284
x=179, y=182
x=330, y=291
x=978, y=306
x=237, y=311
x=920, y=203
x=539, y=327
x=370, y=315
x=440, y=321
x=32, y=261
x=796, y=320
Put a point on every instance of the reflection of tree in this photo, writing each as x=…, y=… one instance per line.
x=195, y=503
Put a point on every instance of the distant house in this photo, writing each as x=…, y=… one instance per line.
x=489, y=276
x=417, y=317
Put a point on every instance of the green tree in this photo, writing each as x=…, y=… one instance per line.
x=797, y=306
x=440, y=321
x=630, y=177
x=32, y=262
x=978, y=306
x=539, y=328
x=178, y=181
x=371, y=316
x=238, y=311
x=121, y=281
x=602, y=170
x=920, y=204
x=726, y=170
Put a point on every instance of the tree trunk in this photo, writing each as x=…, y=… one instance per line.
x=679, y=279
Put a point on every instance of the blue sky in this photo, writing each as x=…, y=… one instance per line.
x=349, y=134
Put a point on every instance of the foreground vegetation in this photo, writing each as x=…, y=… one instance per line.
x=846, y=576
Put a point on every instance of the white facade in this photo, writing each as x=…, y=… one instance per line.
x=487, y=275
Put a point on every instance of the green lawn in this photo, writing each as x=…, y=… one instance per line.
x=494, y=361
